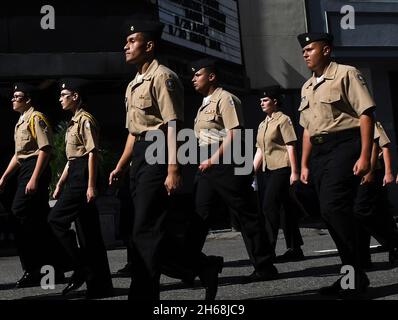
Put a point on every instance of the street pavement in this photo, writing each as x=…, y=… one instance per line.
x=298, y=280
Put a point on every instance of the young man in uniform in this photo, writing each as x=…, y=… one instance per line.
x=76, y=191
x=154, y=105
x=336, y=112
x=33, y=146
x=218, y=120
x=371, y=203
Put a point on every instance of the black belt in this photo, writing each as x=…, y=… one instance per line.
x=141, y=136
x=334, y=136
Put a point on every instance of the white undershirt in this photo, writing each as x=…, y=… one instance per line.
x=319, y=79
x=206, y=100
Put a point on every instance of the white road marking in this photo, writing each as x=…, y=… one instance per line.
x=335, y=250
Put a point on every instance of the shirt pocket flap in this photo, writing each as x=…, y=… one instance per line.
x=332, y=98
x=303, y=105
x=208, y=117
x=144, y=103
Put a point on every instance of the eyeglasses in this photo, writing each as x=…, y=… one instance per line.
x=65, y=95
x=17, y=98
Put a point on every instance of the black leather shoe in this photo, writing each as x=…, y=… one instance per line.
x=209, y=276
x=29, y=279
x=291, y=255
x=75, y=282
x=270, y=273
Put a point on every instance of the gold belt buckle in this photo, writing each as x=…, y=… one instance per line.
x=319, y=139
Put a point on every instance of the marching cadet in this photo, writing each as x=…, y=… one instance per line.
x=33, y=146
x=154, y=104
x=217, y=122
x=276, y=156
x=76, y=192
x=336, y=112
x=371, y=203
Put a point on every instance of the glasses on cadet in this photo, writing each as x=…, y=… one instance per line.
x=65, y=95
x=17, y=97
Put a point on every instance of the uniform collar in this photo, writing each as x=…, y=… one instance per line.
x=216, y=94
x=213, y=97
x=26, y=115
x=329, y=74
x=275, y=116
x=77, y=115
x=147, y=75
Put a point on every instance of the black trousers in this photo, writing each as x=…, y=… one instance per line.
x=150, y=202
x=90, y=256
x=35, y=242
x=371, y=210
x=221, y=182
x=277, y=194
x=336, y=185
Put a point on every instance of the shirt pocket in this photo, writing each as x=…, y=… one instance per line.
x=303, y=105
x=74, y=139
x=144, y=103
x=333, y=103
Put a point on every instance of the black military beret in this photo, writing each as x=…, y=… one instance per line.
x=204, y=63
x=307, y=38
x=152, y=27
x=26, y=88
x=272, y=92
x=73, y=84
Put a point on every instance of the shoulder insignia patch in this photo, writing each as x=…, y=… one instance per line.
x=170, y=85
x=289, y=121
x=42, y=124
x=231, y=102
x=87, y=124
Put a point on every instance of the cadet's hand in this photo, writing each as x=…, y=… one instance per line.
x=91, y=194
x=396, y=181
x=2, y=184
x=57, y=191
x=361, y=167
x=305, y=173
x=368, y=178
x=115, y=177
x=294, y=178
x=205, y=165
x=172, y=182
x=388, y=179
x=31, y=187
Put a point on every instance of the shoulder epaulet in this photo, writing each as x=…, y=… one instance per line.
x=91, y=119
x=41, y=117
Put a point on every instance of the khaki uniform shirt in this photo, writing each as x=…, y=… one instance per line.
x=81, y=136
x=222, y=112
x=154, y=99
x=336, y=102
x=26, y=145
x=273, y=135
x=381, y=135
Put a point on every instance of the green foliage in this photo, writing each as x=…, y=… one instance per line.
x=106, y=163
x=58, y=160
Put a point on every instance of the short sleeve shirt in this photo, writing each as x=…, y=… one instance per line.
x=28, y=143
x=336, y=102
x=380, y=135
x=220, y=113
x=82, y=135
x=274, y=133
x=153, y=99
